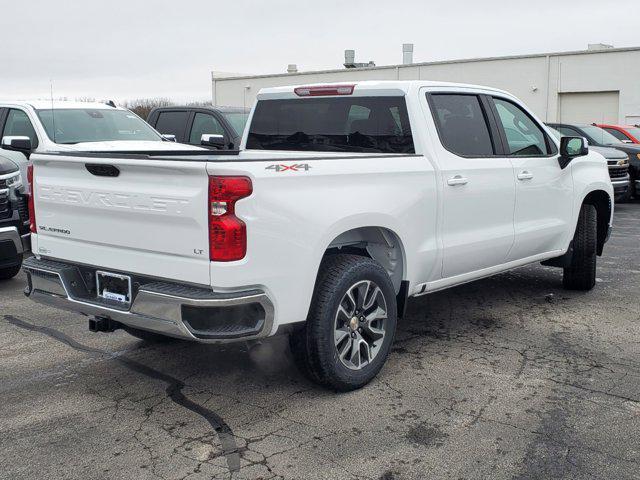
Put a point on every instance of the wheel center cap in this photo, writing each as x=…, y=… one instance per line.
x=353, y=324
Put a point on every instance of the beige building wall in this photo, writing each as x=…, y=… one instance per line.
x=536, y=79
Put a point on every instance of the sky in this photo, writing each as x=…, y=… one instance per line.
x=128, y=49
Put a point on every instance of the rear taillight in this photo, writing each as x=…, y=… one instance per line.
x=227, y=233
x=32, y=192
x=324, y=90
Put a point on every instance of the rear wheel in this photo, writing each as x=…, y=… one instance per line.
x=9, y=272
x=351, y=323
x=581, y=274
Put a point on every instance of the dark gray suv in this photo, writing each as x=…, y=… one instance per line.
x=14, y=219
x=189, y=124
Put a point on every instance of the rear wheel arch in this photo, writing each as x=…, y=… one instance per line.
x=378, y=243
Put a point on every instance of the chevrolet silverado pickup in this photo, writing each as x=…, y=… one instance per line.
x=343, y=201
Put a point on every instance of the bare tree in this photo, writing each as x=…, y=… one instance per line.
x=142, y=106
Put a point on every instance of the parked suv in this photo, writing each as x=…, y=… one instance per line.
x=616, y=153
x=14, y=219
x=629, y=135
x=196, y=125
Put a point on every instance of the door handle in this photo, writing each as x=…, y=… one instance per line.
x=524, y=175
x=457, y=180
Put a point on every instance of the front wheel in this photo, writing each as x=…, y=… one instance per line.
x=351, y=323
x=581, y=274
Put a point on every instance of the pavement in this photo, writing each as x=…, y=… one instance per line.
x=505, y=378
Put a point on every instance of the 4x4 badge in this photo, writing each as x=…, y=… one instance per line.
x=296, y=167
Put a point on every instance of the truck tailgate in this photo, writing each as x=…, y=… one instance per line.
x=150, y=219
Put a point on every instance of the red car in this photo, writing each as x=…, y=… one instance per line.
x=624, y=133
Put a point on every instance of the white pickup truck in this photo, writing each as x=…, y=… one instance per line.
x=60, y=126
x=344, y=201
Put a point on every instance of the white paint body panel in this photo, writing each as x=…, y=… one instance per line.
x=448, y=235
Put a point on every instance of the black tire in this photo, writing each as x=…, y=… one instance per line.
x=9, y=272
x=150, y=337
x=314, y=347
x=581, y=275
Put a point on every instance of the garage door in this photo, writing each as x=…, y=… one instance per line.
x=589, y=107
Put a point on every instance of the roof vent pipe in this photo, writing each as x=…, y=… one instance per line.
x=349, y=58
x=407, y=53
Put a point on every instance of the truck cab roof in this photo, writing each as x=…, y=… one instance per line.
x=376, y=87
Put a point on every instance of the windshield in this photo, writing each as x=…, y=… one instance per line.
x=600, y=135
x=94, y=125
x=332, y=124
x=237, y=120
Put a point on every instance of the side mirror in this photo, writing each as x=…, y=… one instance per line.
x=168, y=137
x=17, y=144
x=570, y=148
x=213, y=140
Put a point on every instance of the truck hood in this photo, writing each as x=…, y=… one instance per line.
x=7, y=166
x=609, y=153
x=143, y=146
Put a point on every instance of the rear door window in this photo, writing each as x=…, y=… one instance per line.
x=173, y=123
x=332, y=124
x=462, y=124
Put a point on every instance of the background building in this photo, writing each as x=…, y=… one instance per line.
x=601, y=84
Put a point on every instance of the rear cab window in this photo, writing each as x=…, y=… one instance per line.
x=332, y=124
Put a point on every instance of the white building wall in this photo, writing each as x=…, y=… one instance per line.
x=537, y=80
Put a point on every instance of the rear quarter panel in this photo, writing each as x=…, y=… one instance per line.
x=292, y=217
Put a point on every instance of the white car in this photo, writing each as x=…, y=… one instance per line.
x=344, y=201
x=61, y=126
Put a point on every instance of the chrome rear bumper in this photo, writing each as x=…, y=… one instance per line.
x=166, y=308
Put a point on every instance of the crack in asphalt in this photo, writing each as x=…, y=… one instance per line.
x=173, y=390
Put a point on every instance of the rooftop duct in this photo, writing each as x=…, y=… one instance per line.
x=350, y=60
x=407, y=53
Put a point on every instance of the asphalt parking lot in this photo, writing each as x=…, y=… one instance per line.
x=509, y=377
